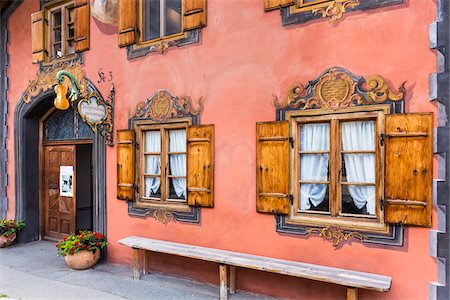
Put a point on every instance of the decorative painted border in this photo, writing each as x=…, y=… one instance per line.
x=288, y=18
x=439, y=84
x=193, y=36
x=334, y=89
x=160, y=107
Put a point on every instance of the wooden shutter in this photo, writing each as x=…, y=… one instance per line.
x=194, y=14
x=82, y=25
x=272, y=167
x=200, y=165
x=275, y=4
x=409, y=174
x=125, y=164
x=38, y=28
x=127, y=22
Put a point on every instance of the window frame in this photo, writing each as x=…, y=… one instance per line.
x=333, y=217
x=140, y=128
x=145, y=43
x=61, y=6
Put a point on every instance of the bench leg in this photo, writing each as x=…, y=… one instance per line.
x=352, y=293
x=145, y=269
x=232, y=279
x=223, y=282
x=136, y=269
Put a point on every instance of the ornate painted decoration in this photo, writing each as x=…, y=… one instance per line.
x=162, y=106
x=46, y=79
x=105, y=11
x=335, y=9
x=99, y=114
x=336, y=235
x=337, y=88
x=162, y=215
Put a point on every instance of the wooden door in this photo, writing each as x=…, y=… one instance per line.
x=59, y=191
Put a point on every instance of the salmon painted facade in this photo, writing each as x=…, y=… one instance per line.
x=170, y=138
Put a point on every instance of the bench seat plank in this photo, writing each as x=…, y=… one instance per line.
x=297, y=269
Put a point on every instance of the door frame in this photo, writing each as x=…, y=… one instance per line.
x=26, y=163
x=42, y=145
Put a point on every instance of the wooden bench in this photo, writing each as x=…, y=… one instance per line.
x=351, y=279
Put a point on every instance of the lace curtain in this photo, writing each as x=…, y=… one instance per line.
x=314, y=167
x=152, y=162
x=178, y=161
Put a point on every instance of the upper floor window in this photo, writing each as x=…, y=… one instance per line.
x=59, y=30
x=62, y=29
x=154, y=25
x=161, y=18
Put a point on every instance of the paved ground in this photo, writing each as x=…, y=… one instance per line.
x=34, y=271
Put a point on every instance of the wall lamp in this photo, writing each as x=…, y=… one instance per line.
x=61, y=102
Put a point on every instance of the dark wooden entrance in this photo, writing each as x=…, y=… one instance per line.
x=60, y=211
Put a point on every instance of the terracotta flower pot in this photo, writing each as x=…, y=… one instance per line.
x=5, y=241
x=83, y=259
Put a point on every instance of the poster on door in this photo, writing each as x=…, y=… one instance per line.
x=66, y=181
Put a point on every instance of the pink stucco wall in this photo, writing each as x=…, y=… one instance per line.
x=244, y=57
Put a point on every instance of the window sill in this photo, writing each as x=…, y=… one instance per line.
x=149, y=204
x=190, y=215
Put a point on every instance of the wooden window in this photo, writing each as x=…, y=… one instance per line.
x=174, y=165
x=336, y=167
x=358, y=168
x=60, y=30
x=146, y=22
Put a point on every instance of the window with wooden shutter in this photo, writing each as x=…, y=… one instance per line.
x=60, y=30
x=275, y=4
x=200, y=151
x=127, y=22
x=125, y=164
x=38, y=28
x=272, y=167
x=409, y=160
x=82, y=25
x=155, y=25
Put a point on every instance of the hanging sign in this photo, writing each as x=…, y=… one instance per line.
x=92, y=110
x=66, y=181
x=98, y=114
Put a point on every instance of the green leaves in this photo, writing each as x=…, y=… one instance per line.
x=85, y=240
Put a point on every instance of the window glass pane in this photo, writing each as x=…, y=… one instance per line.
x=152, y=141
x=57, y=49
x=314, y=167
x=314, y=197
x=358, y=168
x=57, y=19
x=70, y=11
x=358, y=199
x=172, y=17
x=177, y=140
x=152, y=187
x=152, y=165
x=177, y=188
x=358, y=136
x=70, y=47
x=151, y=19
x=315, y=137
x=57, y=35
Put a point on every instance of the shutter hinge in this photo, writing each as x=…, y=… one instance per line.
x=382, y=203
x=291, y=198
x=291, y=141
x=136, y=145
x=136, y=188
x=382, y=138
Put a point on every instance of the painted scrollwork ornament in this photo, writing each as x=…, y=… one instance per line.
x=335, y=9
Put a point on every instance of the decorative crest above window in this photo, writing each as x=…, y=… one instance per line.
x=337, y=88
x=162, y=106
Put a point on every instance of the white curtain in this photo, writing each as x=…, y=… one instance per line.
x=152, y=162
x=178, y=161
x=314, y=167
x=358, y=136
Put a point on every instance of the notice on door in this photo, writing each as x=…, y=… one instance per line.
x=66, y=181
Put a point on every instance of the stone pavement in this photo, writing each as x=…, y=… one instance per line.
x=34, y=271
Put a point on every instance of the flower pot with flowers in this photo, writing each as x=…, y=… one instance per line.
x=81, y=251
x=8, y=230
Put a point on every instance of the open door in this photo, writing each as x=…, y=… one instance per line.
x=59, y=193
